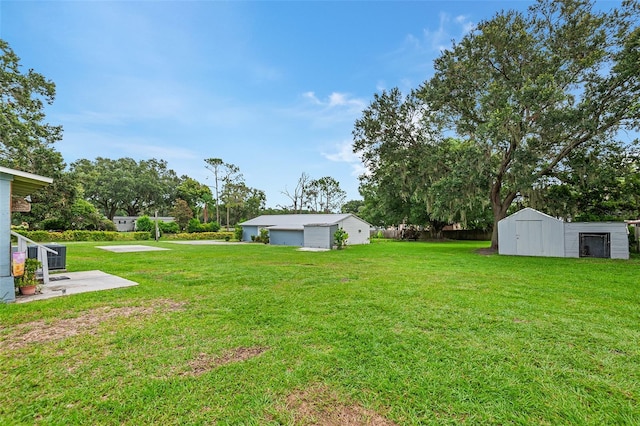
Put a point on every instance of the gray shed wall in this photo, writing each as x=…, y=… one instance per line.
x=286, y=237
x=357, y=229
x=531, y=233
x=618, y=237
x=319, y=236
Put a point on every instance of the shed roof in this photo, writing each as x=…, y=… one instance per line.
x=529, y=214
x=25, y=183
x=297, y=221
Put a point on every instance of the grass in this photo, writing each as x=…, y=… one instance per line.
x=395, y=332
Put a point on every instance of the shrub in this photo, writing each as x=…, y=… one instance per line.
x=194, y=225
x=53, y=224
x=340, y=237
x=264, y=235
x=107, y=225
x=141, y=235
x=47, y=236
x=144, y=223
x=169, y=227
x=211, y=227
x=199, y=236
x=237, y=233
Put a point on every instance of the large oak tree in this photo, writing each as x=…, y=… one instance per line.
x=527, y=89
x=126, y=185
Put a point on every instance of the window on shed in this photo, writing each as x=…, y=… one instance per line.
x=595, y=245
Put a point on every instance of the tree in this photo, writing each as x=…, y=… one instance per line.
x=254, y=204
x=412, y=175
x=232, y=184
x=195, y=194
x=325, y=195
x=300, y=193
x=223, y=173
x=153, y=187
x=529, y=89
x=25, y=137
x=352, y=206
x=598, y=184
x=181, y=213
x=126, y=185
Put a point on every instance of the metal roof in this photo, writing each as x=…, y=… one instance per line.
x=25, y=183
x=296, y=221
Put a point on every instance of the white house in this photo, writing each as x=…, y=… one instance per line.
x=128, y=223
x=307, y=230
x=529, y=232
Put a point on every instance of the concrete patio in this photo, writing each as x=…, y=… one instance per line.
x=67, y=283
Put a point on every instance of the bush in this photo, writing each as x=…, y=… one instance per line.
x=144, y=223
x=53, y=224
x=264, y=235
x=141, y=235
x=169, y=227
x=47, y=236
x=211, y=227
x=107, y=225
x=237, y=233
x=199, y=236
x=194, y=225
x=340, y=237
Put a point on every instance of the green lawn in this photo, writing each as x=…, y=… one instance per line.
x=390, y=333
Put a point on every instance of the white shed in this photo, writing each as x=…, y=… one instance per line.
x=529, y=232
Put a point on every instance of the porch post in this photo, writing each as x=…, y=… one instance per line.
x=7, y=289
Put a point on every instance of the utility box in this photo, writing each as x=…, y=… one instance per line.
x=55, y=261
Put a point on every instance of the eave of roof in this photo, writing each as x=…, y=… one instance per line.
x=24, y=183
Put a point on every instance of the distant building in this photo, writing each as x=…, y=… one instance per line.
x=128, y=223
x=307, y=230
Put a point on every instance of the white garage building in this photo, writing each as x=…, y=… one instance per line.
x=529, y=232
x=307, y=230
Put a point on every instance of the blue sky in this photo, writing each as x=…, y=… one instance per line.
x=272, y=87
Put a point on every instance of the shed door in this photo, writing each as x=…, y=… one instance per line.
x=529, y=237
x=595, y=245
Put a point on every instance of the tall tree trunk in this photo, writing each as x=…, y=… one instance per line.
x=500, y=207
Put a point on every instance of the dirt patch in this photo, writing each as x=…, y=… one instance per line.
x=205, y=362
x=42, y=331
x=487, y=251
x=318, y=405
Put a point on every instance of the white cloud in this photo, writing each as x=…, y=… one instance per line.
x=440, y=38
x=312, y=97
x=336, y=100
x=344, y=154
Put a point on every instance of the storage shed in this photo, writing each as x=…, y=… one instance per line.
x=529, y=232
x=307, y=230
